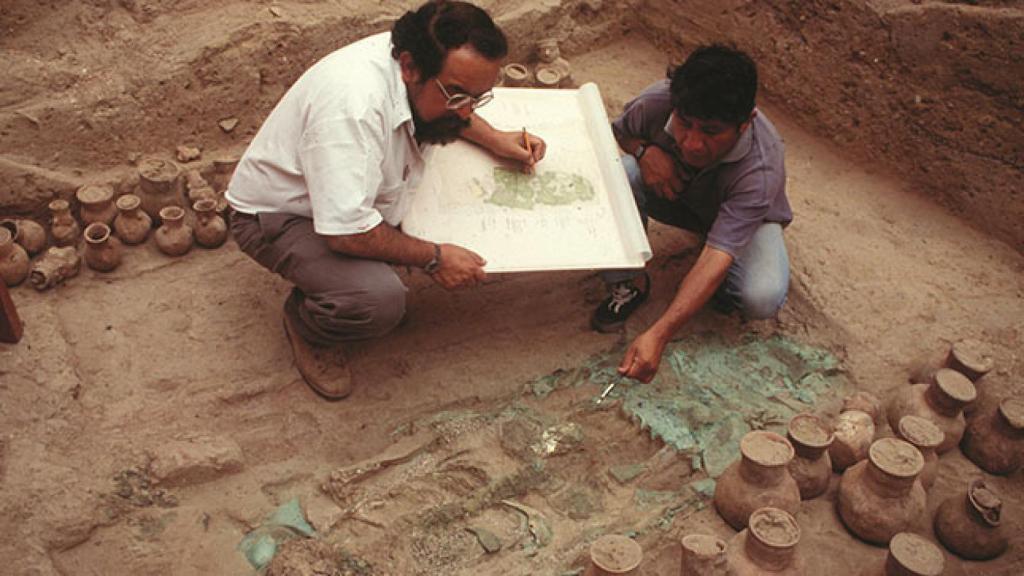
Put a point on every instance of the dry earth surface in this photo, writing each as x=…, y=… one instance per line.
x=151, y=417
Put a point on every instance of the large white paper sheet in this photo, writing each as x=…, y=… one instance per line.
x=575, y=212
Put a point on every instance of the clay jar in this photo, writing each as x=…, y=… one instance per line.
x=926, y=437
x=942, y=402
x=910, y=555
x=63, y=225
x=882, y=496
x=159, y=185
x=29, y=234
x=515, y=75
x=210, y=229
x=13, y=259
x=704, y=555
x=811, y=467
x=767, y=546
x=995, y=440
x=97, y=204
x=55, y=266
x=865, y=402
x=760, y=478
x=969, y=525
x=971, y=358
x=173, y=237
x=854, y=433
x=614, y=554
x=132, y=225
x=102, y=249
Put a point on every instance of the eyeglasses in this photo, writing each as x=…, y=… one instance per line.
x=461, y=100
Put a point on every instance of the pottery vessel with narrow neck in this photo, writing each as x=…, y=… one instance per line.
x=97, y=204
x=14, y=262
x=910, y=555
x=882, y=496
x=704, y=555
x=767, y=546
x=174, y=236
x=942, y=401
x=970, y=525
x=854, y=431
x=926, y=437
x=811, y=466
x=613, y=554
x=102, y=248
x=210, y=229
x=63, y=226
x=759, y=479
x=132, y=225
x=55, y=266
x=29, y=234
x=994, y=440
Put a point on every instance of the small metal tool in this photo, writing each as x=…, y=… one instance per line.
x=608, y=390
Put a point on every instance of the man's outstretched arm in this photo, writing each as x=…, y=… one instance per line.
x=644, y=355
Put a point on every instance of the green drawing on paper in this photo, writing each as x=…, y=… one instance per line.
x=517, y=190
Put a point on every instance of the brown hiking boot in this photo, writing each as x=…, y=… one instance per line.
x=324, y=368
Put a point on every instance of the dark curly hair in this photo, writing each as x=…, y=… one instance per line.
x=441, y=25
x=716, y=82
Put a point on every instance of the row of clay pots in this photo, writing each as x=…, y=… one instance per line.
x=174, y=237
x=770, y=546
x=878, y=497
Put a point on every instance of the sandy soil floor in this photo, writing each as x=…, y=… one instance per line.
x=120, y=373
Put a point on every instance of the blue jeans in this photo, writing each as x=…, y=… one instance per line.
x=758, y=279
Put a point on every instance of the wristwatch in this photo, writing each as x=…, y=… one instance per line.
x=435, y=263
x=639, y=151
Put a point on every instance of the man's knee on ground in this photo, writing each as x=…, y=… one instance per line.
x=760, y=301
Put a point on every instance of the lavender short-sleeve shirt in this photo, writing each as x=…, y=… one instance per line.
x=730, y=199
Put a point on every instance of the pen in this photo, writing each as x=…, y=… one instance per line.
x=529, y=150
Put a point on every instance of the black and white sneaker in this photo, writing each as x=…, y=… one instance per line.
x=624, y=298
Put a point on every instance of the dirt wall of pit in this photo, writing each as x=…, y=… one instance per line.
x=930, y=89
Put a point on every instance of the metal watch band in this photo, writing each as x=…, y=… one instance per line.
x=639, y=151
x=435, y=263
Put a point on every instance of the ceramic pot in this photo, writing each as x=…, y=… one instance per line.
x=970, y=357
x=760, y=478
x=97, y=204
x=63, y=225
x=210, y=229
x=704, y=555
x=865, y=402
x=515, y=75
x=13, y=259
x=173, y=237
x=942, y=402
x=995, y=440
x=767, y=546
x=614, y=554
x=30, y=235
x=969, y=525
x=102, y=249
x=910, y=555
x=223, y=169
x=854, y=433
x=547, y=78
x=926, y=437
x=882, y=496
x=132, y=225
x=159, y=185
x=54, y=267
x=811, y=466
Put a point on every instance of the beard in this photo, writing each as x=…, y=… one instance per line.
x=444, y=130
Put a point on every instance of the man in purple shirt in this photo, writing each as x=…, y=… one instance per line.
x=700, y=156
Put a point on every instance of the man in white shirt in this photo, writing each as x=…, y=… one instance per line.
x=320, y=193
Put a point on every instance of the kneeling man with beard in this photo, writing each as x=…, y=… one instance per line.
x=319, y=194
